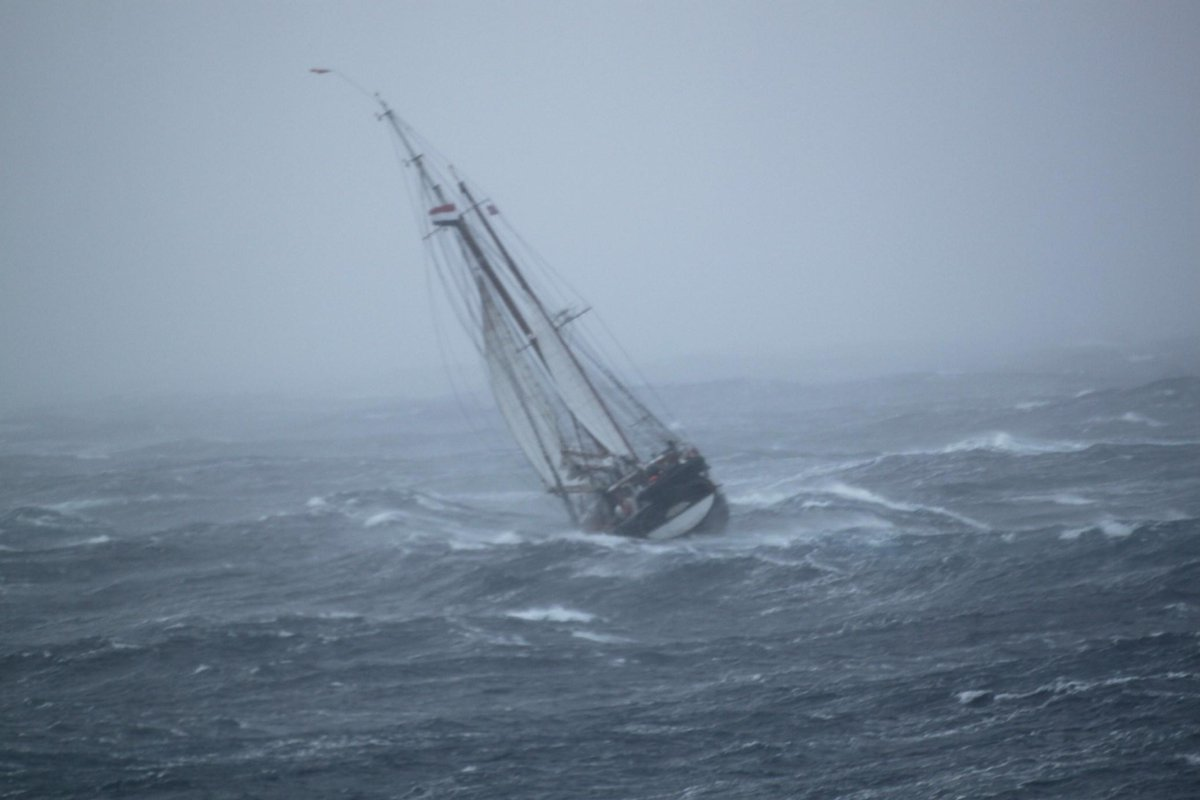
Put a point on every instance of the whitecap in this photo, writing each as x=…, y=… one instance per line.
x=82, y=504
x=1110, y=527
x=1071, y=500
x=383, y=518
x=974, y=696
x=602, y=638
x=1004, y=442
x=1140, y=419
x=554, y=613
x=465, y=546
x=867, y=496
x=1114, y=529
x=1059, y=498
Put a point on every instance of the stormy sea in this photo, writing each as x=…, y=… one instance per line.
x=932, y=586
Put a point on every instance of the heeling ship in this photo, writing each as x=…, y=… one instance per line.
x=594, y=444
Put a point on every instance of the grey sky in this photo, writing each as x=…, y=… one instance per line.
x=184, y=208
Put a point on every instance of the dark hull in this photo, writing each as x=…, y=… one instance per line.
x=683, y=500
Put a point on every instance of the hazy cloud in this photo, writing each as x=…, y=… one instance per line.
x=185, y=208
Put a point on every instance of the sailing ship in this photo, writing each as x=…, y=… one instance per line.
x=593, y=443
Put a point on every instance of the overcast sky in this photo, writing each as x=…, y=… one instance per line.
x=185, y=208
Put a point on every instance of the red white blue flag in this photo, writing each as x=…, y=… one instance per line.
x=444, y=215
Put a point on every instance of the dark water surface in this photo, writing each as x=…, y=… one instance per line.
x=931, y=587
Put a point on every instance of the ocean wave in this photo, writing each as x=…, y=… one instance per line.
x=601, y=638
x=1057, y=498
x=384, y=518
x=36, y=528
x=750, y=493
x=1112, y=528
x=860, y=494
x=975, y=697
x=1067, y=687
x=86, y=503
x=1004, y=442
x=1129, y=417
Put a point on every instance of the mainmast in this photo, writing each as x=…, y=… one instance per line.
x=468, y=239
x=516, y=272
x=488, y=273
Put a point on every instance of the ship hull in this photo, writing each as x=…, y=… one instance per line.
x=684, y=500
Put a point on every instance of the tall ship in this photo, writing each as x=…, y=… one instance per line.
x=616, y=467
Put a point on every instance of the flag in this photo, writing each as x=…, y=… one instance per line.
x=444, y=215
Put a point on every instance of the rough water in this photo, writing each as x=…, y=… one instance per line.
x=931, y=586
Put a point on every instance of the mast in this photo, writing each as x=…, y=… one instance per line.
x=537, y=301
x=436, y=188
x=570, y=383
x=413, y=156
x=485, y=266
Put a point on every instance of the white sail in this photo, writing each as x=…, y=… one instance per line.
x=574, y=387
x=517, y=394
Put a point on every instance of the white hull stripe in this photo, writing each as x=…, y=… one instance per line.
x=684, y=521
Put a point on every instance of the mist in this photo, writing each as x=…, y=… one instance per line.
x=736, y=188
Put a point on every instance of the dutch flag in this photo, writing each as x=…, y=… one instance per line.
x=444, y=215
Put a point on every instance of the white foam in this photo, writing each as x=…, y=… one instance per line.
x=760, y=498
x=971, y=695
x=1140, y=419
x=1114, y=529
x=1108, y=526
x=85, y=503
x=1030, y=405
x=71, y=506
x=1071, y=500
x=432, y=503
x=1059, y=498
x=1004, y=442
x=551, y=614
x=602, y=638
x=383, y=518
x=785, y=488
x=867, y=496
x=459, y=545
